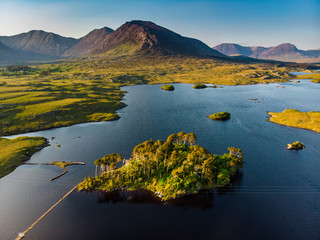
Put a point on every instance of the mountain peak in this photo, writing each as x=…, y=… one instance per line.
x=284, y=50
x=40, y=42
x=147, y=24
x=84, y=46
x=148, y=37
x=287, y=46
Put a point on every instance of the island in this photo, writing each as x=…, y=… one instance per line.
x=296, y=146
x=220, y=116
x=295, y=118
x=18, y=150
x=167, y=87
x=199, y=86
x=170, y=169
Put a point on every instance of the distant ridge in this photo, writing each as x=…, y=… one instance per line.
x=40, y=42
x=135, y=38
x=282, y=52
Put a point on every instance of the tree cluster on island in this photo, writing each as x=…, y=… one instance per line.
x=169, y=169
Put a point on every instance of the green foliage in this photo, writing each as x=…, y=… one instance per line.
x=167, y=87
x=15, y=151
x=18, y=68
x=295, y=118
x=220, y=116
x=45, y=72
x=170, y=169
x=199, y=86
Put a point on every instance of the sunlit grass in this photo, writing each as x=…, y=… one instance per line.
x=15, y=151
x=315, y=77
x=295, y=118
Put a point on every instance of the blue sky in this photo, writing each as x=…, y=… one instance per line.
x=246, y=22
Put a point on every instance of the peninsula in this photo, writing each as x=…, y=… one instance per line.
x=295, y=118
x=18, y=150
x=169, y=169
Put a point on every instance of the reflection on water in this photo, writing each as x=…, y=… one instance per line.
x=130, y=197
x=202, y=200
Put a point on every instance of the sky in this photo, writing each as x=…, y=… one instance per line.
x=246, y=22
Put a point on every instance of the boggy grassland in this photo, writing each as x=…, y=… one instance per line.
x=88, y=89
x=15, y=151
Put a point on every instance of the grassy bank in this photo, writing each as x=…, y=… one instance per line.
x=315, y=77
x=15, y=151
x=295, y=118
x=88, y=89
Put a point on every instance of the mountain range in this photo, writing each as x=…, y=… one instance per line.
x=282, y=52
x=134, y=37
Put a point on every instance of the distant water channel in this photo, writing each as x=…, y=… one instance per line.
x=276, y=196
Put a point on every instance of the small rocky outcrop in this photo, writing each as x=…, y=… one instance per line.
x=296, y=146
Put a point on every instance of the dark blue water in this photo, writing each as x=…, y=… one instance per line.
x=276, y=196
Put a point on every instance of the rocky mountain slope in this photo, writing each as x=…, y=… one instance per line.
x=88, y=42
x=147, y=37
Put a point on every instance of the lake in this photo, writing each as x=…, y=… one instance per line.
x=276, y=195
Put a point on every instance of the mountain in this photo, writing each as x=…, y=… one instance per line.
x=233, y=49
x=39, y=42
x=283, y=52
x=149, y=38
x=86, y=43
x=7, y=54
x=256, y=51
